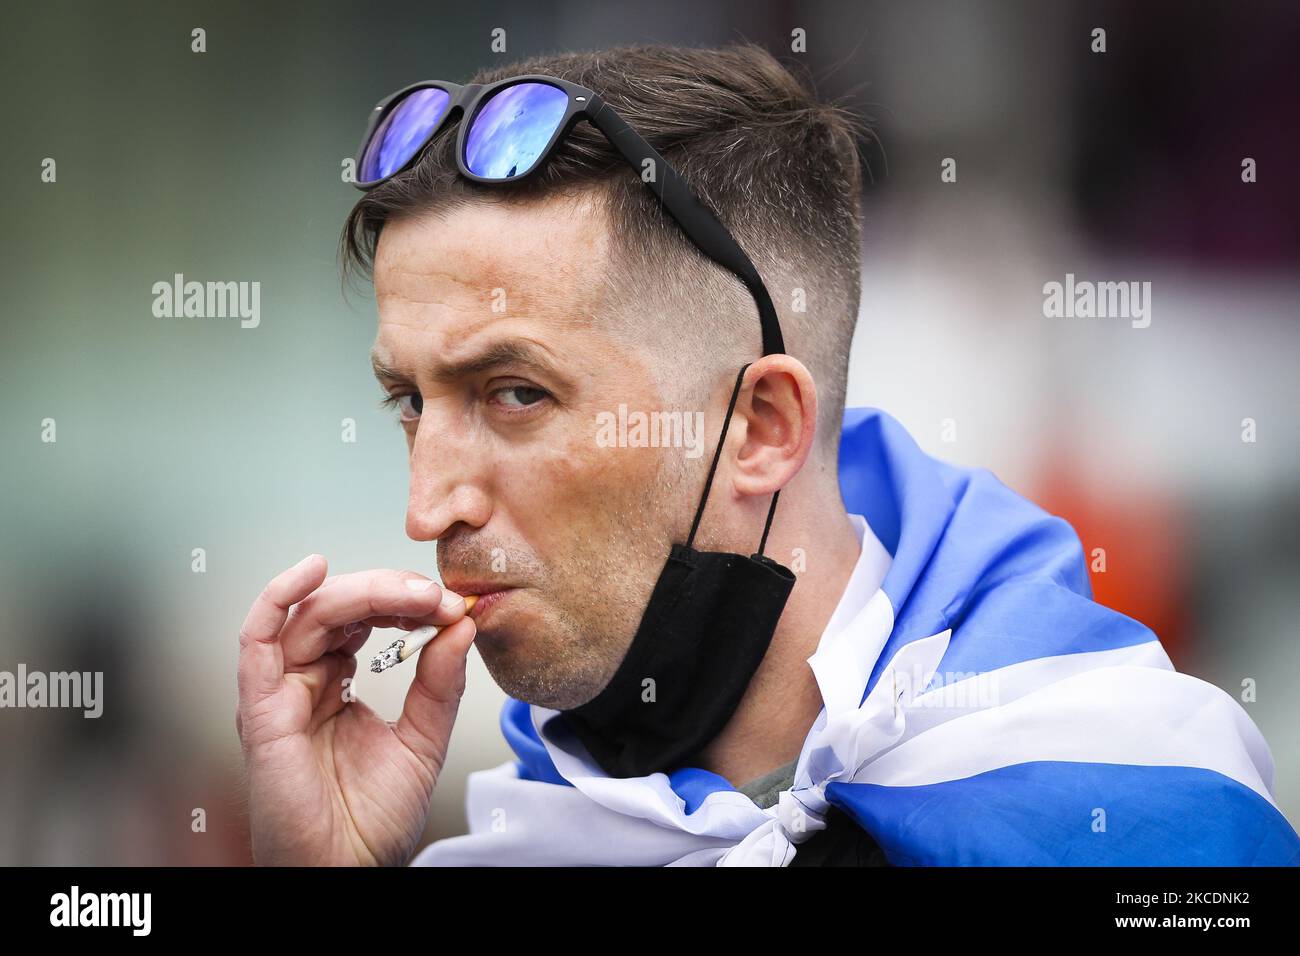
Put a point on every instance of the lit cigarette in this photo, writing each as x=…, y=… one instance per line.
x=409, y=646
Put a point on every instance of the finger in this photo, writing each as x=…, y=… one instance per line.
x=434, y=697
x=261, y=658
x=354, y=637
x=402, y=623
x=350, y=638
x=359, y=597
x=329, y=681
x=313, y=677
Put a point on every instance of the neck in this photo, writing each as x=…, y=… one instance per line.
x=768, y=729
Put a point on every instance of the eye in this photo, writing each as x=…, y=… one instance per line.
x=409, y=405
x=519, y=396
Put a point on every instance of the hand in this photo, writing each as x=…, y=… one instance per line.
x=330, y=781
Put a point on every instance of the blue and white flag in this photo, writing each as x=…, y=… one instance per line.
x=979, y=709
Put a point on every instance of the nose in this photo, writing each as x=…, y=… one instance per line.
x=448, y=483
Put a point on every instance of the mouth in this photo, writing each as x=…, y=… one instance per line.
x=489, y=595
x=486, y=602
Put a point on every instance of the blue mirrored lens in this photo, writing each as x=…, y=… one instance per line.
x=509, y=133
x=402, y=132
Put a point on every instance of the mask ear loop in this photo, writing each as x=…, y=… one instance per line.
x=717, y=455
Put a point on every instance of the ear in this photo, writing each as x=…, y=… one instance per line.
x=778, y=406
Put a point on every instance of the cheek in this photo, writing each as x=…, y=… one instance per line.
x=579, y=483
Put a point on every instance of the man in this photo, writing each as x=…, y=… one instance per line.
x=936, y=687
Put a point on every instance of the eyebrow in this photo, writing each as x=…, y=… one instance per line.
x=509, y=352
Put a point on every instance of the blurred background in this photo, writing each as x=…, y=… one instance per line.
x=174, y=435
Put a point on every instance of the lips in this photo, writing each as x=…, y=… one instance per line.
x=489, y=594
x=488, y=601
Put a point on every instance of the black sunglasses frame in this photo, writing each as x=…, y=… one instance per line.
x=696, y=220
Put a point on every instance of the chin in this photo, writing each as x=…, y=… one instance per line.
x=507, y=629
x=531, y=668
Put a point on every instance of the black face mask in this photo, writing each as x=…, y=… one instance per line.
x=706, y=629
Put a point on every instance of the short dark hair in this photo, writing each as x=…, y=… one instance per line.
x=781, y=169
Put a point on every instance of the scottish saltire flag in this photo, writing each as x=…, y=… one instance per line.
x=980, y=709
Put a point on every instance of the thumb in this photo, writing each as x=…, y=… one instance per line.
x=434, y=697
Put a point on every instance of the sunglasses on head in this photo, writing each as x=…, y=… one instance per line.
x=510, y=128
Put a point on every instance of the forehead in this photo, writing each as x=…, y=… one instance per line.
x=487, y=263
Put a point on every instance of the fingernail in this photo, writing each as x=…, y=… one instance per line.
x=451, y=600
x=304, y=562
x=416, y=584
x=353, y=629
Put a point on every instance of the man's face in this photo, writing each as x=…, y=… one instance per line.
x=495, y=337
